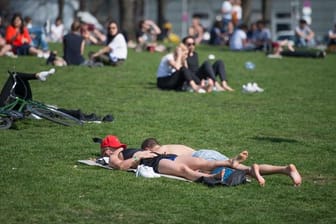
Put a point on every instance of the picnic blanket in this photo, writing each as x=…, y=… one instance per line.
x=95, y=163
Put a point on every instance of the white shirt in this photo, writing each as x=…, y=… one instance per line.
x=165, y=69
x=57, y=32
x=118, y=47
x=227, y=10
x=236, y=41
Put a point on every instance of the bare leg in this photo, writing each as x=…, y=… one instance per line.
x=219, y=87
x=265, y=169
x=255, y=172
x=206, y=165
x=289, y=170
x=167, y=166
x=226, y=86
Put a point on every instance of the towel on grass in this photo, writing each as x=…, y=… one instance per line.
x=142, y=171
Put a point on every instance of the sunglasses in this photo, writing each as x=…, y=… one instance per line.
x=190, y=44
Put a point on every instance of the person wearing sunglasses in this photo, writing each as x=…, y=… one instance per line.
x=172, y=73
x=207, y=72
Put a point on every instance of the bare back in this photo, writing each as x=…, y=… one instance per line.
x=174, y=149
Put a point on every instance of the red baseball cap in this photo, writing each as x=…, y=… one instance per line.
x=113, y=142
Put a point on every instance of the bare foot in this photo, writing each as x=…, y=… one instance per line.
x=235, y=161
x=219, y=175
x=294, y=175
x=228, y=88
x=256, y=174
x=242, y=156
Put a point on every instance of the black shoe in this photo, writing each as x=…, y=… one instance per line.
x=91, y=118
x=97, y=140
x=108, y=118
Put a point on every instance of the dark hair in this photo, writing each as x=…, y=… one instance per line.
x=303, y=21
x=110, y=37
x=75, y=26
x=149, y=142
x=184, y=40
x=243, y=26
x=18, y=15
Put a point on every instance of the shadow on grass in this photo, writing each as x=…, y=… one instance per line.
x=274, y=139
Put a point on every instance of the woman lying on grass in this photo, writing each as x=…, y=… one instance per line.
x=256, y=170
x=178, y=165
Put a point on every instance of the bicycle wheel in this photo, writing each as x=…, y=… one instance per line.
x=53, y=114
x=5, y=123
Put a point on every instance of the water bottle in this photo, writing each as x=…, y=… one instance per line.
x=249, y=65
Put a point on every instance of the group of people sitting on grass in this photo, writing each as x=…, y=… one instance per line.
x=181, y=70
x=205, y=166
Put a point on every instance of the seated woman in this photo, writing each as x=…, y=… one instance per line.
x=147, y=36
x=172, y=72
x=115, y=53
x=74, y=45
x=18, y=37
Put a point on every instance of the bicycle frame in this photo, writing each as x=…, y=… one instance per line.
x=19, y=107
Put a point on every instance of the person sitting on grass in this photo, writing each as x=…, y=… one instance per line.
x=115, y=53
x=206, y=71
x=186, y=166
x=172, y=72
x=256, y=170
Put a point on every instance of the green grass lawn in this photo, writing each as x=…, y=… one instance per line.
x=292, y=121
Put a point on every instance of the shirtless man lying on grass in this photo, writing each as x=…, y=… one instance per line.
x=120, y=157
x=256, y=170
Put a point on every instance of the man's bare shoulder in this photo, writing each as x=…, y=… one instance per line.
x=177, y=149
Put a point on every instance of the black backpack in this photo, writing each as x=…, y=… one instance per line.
x=237, y=177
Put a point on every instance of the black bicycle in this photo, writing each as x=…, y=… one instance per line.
x=17, y=108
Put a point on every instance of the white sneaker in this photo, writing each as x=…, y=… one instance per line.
x=249, y=88
x=146, y=171
x=257, y=88
x=43, y=75
x=201, y=91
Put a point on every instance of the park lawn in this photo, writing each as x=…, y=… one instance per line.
x=292, y=121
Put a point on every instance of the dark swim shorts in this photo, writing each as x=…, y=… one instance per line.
x=154, y=162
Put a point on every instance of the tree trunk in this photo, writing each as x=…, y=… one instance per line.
x=246, y=8
x=60, y=8
x=266, y=10
x=161, y=15
x=82, y=5
x=127, y=18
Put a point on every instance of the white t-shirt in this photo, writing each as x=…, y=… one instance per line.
x=227, y=10
x=119, y=47
x=236, y=40
x=57, y=32
x=165, y=69
x=238, y=10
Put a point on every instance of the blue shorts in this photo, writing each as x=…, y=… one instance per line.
x=209, y=154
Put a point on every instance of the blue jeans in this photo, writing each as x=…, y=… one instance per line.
x=38, y=38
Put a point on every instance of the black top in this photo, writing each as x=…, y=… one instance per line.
x=128, y=153
x=193, y=62
x=72, y=49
